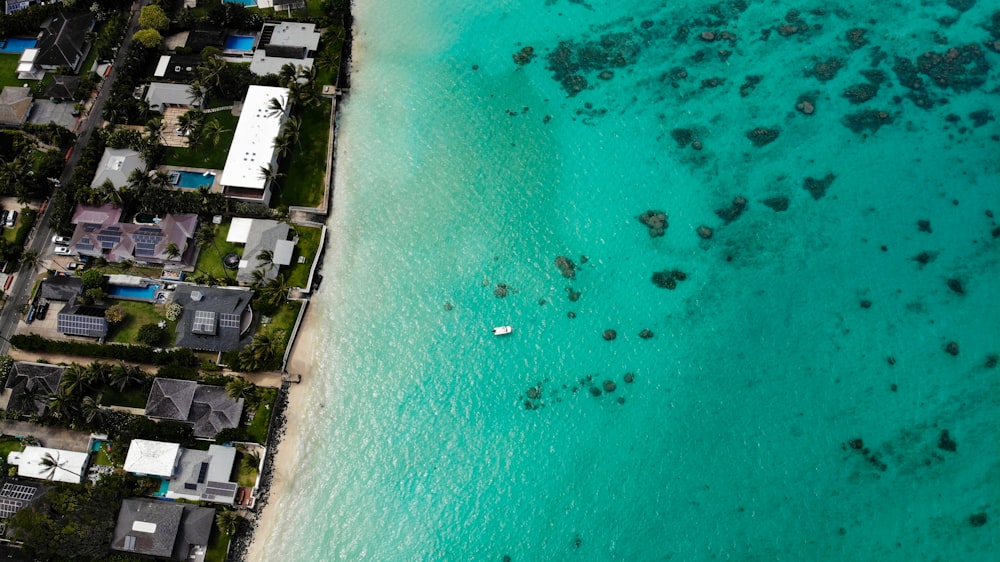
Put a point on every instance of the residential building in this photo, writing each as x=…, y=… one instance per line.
x=99, y=233
x=29, y=386
x=15, y=105
x=62, y=44
x=284, y=43
x=63, y=87
x=175, y=531
x=259, y=235
x=76, y=318
x=161, y=95
x=152, y=458
x=15, y=495
x=56, y=465
x=116, y=166
x=214, y=318
x=252, y=152
x=177, y=67
x=207, y=408
x=192, y=474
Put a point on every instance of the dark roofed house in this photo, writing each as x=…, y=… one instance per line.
x=99, y=234
x=63, y=86
x=177, y=67
x=63, y=43
x=162, y=529
x=208, y=408
x=30, y=385
x=204, y=36
x=15, y=105
x=78, y=319
x=214, y=319
x=60, y=288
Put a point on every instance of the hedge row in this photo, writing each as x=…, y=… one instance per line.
x=132, y=353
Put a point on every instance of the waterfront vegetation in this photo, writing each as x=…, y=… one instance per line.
x=304, y=187
x=307, y=247
x=210, y=153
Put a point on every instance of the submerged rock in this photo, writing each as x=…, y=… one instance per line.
x=777, y=204
x=951, y=348
x=817, y=187
x=645, y=334
x=762, y=136
x=655, y=221
x=946, y=443
x=609, y=386
x=609, y=334
x=956, y=286
x=977, y=519
x=629, y=377
x=705, y=232
x=566, y=267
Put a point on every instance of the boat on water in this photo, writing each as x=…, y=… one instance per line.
x=502, y=330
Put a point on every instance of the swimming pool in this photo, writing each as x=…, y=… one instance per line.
x=239, y=43
x=247, y=3
x=190, y=180
x=16, y=45
x=137, y=293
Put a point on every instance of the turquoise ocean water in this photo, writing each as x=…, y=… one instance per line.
x=796, y=401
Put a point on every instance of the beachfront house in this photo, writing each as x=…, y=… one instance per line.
x=284, y=43
x=213, y=318
x=191, y=474
x=261, y=238
x=62, y=45
x=162, y=95
x=56, y=465
x=15, y=105
x=252, y=154
x=99, y=233
x=165, y=530
x=116, y=166
x=29, y=387
x=208, y=409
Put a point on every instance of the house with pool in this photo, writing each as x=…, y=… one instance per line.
x=62, y=45
x=264, y=112
x=284, y=43
x=116, y=166
x=100, y=233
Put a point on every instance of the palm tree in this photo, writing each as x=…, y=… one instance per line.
x=261, y=351
x=270, y=174
x=205, y=238
x=212, y=131
x=228, y=521
x=172, y=251
x=73, y=379
x=90, y=407
x=266, y=257
x=97, y=373
x=154, y=128
x=123, y=375
x=287, y=74
x=30, y=259
x=292, y=128
x=239, y=387
x=276, y=106
x=12, y=172
x=257, y=276
x=283, y=144
x=196, y=92
x=275, y=291
x=30, y=400
x=54, y=463
x=108, y=193
x=62, y=405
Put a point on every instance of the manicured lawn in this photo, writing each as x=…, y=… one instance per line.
x=298, y=273
x=218, y=545
x=206, y=155
x=134, y=396
x=246, y=476
x=101, y=457
x=137, y=315
x=8, y=70
x=25, y=220
x=305, y=169
x=210, y=260
x=9, y=444
x=257, y=431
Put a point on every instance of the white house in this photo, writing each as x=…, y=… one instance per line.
x=152, y=458
x=56, y=465
x=264, y=112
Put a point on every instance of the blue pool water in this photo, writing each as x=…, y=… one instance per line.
x=247, y=3
x=190, y=180
x=239, y=42
x=143, y=293
x=16, y=45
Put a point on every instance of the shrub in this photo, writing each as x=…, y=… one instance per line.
x=115, y=314
x=150, y=334
x=174, y=311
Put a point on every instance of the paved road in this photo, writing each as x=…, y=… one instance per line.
x=19, y=291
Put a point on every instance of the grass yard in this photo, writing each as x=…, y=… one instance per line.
x=245, y=475
x=218, y=545
x=134, y=396
x=304, y=186
x=206, y=155
x=210, y=260
x=137, y=315
x=101, y=457
x=298, y=273
x=8, y=444
x=257, y=431
x=8, y=70
x=25, y=220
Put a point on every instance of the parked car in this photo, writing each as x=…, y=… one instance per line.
x=62, y=250
x=72, y=265
x=41, y=310
x=64, y=240
x=11, y=219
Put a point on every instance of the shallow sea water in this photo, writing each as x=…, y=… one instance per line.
x=459, y=170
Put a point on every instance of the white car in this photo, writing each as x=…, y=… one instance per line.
x=64, y=240
x=62, y=250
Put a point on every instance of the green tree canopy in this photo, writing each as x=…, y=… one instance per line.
x=153, y=17
x=149, y=38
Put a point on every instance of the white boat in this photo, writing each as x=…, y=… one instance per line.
x=502, y=330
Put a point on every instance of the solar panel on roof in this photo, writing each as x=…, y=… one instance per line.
x=202, y=472
x=144, y=252
x=9, y=507
x=18, y=491
x=90, y=227
x=84, y=245
x=129, y=543
x=204, y=322
x=112, y=228
x=229, y=320
x=78, y=325
x=219, y=489
x=190, y=486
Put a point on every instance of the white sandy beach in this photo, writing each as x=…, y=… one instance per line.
x=298, y=363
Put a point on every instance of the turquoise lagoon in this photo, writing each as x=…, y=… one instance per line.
x=793, y=401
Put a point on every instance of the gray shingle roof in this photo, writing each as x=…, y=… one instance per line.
x=229, y=301
x=60, y=288
x=170, y=399
x=162, y=529
x=15, y=104
x=116, y=165
x=63, y=40
x=160, y=95
x=27, y=376
x=264, y=235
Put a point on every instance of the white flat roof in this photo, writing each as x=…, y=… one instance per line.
x=32, y=463
x=153, y=458
x=239, y=230
x=253, y=141
x=161, y=66
x=29, y=55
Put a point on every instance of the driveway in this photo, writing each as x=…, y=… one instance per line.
x=46, y=112
x=52, y=437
